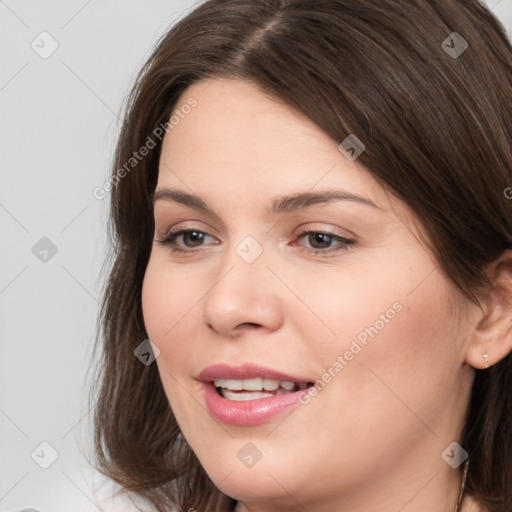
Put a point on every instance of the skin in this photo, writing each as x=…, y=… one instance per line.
x=372, y=438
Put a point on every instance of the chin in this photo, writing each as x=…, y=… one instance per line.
x=254, y=488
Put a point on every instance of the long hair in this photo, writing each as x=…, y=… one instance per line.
x=426, y=85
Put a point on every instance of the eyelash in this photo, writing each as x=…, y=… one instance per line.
x=170, y=241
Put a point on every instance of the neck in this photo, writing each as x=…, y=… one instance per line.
x=441, y=492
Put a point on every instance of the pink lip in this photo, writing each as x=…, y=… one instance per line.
x=250, y=412
x=245, y=371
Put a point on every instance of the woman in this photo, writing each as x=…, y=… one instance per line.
x=311, y=224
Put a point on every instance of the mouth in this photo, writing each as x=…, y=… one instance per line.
x=248, y=394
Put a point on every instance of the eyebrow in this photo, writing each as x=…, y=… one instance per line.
x=284, y=204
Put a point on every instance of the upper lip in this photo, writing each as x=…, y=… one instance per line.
x=245, y=371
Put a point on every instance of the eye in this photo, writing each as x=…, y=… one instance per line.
x=321, y=242
x=190, y=237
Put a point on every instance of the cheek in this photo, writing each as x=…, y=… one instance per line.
x=169, y=315
x=379, y=328
x=396, y=360
x=339, y=307
x=167, y=303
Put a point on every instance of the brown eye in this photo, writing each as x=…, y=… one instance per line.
x=195, y=237
x=321, y=242
x=190, y=237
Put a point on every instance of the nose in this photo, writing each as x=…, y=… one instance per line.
x=245, y=297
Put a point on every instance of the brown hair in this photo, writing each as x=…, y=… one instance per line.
x=437, y=128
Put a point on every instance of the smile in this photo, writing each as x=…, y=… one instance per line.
x=249, y=395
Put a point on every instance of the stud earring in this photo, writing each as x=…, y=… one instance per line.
x=486, y=358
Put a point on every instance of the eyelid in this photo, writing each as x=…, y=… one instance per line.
x=314, y=226
x=168, y=216
x=305, y=228
x=184, y=225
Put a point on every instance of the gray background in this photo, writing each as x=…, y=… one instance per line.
x=59, y=119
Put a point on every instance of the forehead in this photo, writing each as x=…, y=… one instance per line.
x=239, y=142
x=235, y=118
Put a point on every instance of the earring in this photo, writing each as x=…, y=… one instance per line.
x=486, y=358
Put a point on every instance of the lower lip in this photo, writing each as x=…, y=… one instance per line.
x=248, y=412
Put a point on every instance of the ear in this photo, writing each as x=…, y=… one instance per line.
x=492, y=335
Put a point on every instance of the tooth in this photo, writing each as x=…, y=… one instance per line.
x=282, y=391
x=257, y=384
x=243, y=397
x=253, y=384
x=235, y=385
x=219, y=383
x=270, y=384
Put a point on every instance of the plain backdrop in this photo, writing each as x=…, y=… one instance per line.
x=65, y=69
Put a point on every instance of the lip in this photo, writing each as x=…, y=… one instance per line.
x=250, y=412
x=245, y=371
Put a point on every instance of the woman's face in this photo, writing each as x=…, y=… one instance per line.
x=260, y=298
